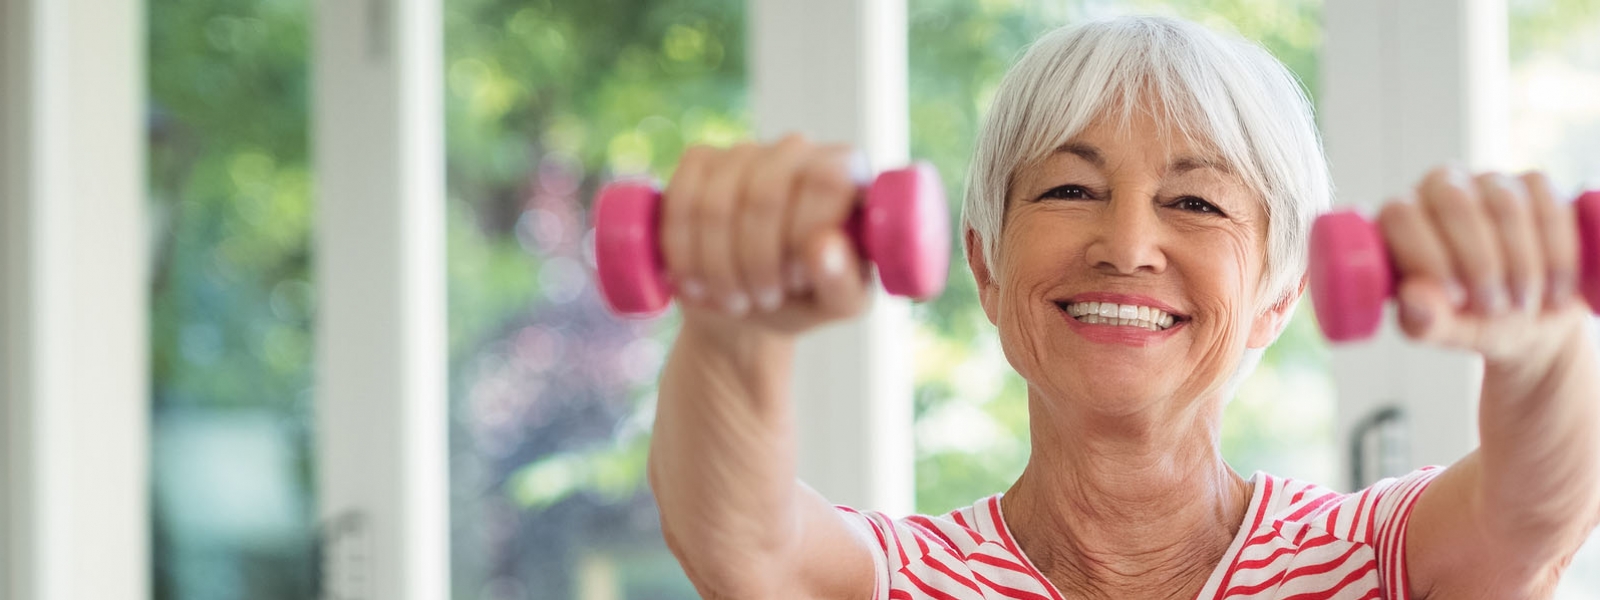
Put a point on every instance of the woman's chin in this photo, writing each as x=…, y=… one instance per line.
x=1114, y=389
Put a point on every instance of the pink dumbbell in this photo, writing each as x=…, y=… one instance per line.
x=901, y=226
x=1351, y=275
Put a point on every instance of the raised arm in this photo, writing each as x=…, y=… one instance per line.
x=1491, y=265
x=752, y=241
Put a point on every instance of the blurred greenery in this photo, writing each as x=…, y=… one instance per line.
x=550, y=398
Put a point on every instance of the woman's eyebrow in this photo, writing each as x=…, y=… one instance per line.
x=1184, y=164
x=1083, y=151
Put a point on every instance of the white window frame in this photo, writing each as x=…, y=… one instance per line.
x=1407, y=86
x=74, y=347
x=836, y=70
x=381, y=395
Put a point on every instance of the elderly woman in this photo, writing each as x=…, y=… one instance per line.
x=1136, y=221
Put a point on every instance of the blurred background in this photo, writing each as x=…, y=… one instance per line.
x=551, y=399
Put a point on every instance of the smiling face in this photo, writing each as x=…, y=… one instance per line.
x=1128, y=276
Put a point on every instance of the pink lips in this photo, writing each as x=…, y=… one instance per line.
x=1116, y=334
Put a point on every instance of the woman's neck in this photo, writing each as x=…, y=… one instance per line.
x=1131, y=506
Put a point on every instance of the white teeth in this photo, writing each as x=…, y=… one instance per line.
x=1126, y=315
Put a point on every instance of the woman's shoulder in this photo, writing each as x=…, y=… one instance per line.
x=959, y=532
x=1363, y=516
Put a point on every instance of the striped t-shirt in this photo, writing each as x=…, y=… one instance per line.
x=1297, y=541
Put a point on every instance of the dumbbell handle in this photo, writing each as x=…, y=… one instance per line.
x=1352, y=274
x=901, y=225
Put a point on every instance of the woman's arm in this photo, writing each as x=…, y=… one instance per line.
x=722, y=457
x=1504, y=521
x=722, y=465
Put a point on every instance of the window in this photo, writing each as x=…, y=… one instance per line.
x=1555, y=126
x=232, y=300
x=551, y=397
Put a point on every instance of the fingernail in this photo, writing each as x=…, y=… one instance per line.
x=1521, y=296
x=1560, y=291
x=1493, y=298
x=1455, y=293
x=736, y=304
x=1416, y=313
x=693, y=289
x=769, y=299
x=796, y=276
x=860, y=166
x=833, y=258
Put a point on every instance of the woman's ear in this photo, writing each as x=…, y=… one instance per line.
x=1270, y=323
x=988, y=292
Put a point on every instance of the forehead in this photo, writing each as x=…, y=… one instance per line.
x=1111, y=141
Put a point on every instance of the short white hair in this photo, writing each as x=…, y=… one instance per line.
x=1222, y=92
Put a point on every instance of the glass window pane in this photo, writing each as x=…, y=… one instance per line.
x=971, y=408
x=551, y=397
x=1555, y=126
x=231, y=299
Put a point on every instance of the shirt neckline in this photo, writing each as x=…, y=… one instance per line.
x=1254, y=515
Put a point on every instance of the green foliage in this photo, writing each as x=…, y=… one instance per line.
x=544, y=100
x=1540, y=25
x=231, y=296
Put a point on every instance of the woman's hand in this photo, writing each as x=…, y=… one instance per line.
x=754, y=244
x=753, y=237
x=1488, y=264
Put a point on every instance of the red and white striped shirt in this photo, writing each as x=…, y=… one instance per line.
x=1298, y=541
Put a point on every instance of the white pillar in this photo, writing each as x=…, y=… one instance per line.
x=74, y=347
x=835, y=70
x=381, y=355
x=1407, y=86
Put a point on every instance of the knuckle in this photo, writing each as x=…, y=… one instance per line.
x=1535, y=179
x=696, y=155
x=793, y=140
x=1394, y=213
x=827, y=177
x=710, y=214
x=764, y=195
x=743, y=151
x=1443, y=177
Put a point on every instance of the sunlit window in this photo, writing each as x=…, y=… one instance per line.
x=551, y=397
x=1555, y=126
x=232, y=300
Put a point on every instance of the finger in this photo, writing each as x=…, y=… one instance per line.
x=678, y=247
x=1558, y=235
x=714, y=229
x=1428, y=314
x=1451, y=203
x=827, y=187
x=768, y=192
x=1420, y=257
x=837, y=274
x=1504, y=199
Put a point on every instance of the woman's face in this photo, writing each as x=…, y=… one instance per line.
x=1124, y=222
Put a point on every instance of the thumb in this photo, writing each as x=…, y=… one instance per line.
x=837, y=273
x=1428, y=310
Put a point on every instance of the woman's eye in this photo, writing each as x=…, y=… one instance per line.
x=1067, y=192
x=1193, y=204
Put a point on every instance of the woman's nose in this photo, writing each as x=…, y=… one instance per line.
x=1127, y=238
